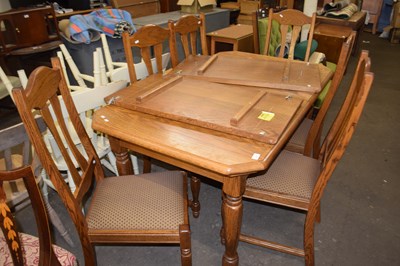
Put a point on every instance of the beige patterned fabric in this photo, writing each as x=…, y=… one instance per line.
x=30, y=251
x=300, y=135
x=291, y=173
x=150, y=201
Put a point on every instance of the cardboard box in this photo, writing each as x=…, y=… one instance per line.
x=196, y=6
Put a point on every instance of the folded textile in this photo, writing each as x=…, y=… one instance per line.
x=336, y=6
x=112, y=22
x=343, y=13
x=332, y=7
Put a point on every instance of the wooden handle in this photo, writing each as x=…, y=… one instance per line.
x=158, y=89
x=203, y=68
x=245, y=109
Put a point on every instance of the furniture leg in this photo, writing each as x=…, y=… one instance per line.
x=195, y=203
x=235, y=46
x=54, y=218
x=123, y=160
x=146, y=164
x=212, y=46
x=186, y=247
x=232, y=211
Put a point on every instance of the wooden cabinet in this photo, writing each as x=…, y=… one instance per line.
x=330, y=39
x=27, y=27
x=138, y=8
x=169, y=5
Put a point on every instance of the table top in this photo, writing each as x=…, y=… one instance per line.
x=243, y=107
x=233, y=32
x=333, y=30
x=198, y=62
x=244, y=111
x=203, y=150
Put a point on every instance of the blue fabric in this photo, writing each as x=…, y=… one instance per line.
x=384, y=18
x=111, y=22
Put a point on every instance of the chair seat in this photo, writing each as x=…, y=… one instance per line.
x=296, y=179
x=298, y=141
x=30, y=251
x=153, y=201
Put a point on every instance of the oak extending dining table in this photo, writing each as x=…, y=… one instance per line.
x=222, y=117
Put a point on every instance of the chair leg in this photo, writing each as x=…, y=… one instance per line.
x=54, y=218
x=146, y=164
x=185, y=245
x=195, y=203
x=309, y=239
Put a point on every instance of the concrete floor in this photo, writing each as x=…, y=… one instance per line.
x=360, y=208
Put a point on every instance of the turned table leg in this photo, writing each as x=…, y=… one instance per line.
x=123, y=160
x=232, y=211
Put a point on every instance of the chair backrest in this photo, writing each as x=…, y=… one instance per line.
x=260, y=28
x=145, y=38
x=42, y=96
x=314, y=135
x=291, y=22
x=364, y=64
x=9, y=225
x=187, y=29
x=341, y=131
x=86, y=102
x=17, y=152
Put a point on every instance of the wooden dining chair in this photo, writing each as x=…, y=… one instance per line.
x=18, y=248
x=306, y=139
x=297, y=181
x=291, y=22
x=16, y=150
x=148, y=209
x=149, y=39
x=187, y=29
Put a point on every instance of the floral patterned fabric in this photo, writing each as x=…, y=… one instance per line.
x=30, y=251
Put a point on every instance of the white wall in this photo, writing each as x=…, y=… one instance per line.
x=4, y=5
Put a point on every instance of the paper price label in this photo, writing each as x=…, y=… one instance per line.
x=266, y=116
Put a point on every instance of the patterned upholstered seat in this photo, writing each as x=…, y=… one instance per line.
x=30, y=252
x=17, y=248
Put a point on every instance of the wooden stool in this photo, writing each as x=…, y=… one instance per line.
x=240, y=36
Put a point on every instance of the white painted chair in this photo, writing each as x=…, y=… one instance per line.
x=7, y=83
x=99, y=77
x=100, y=82
x=116, y=72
